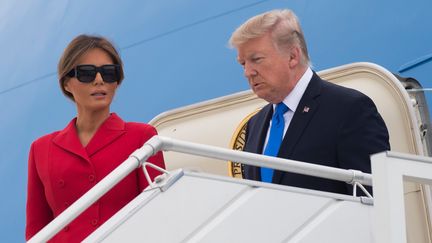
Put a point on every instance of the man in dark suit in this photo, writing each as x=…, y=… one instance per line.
x=322, y=123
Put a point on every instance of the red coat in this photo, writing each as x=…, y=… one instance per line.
x=60, y=170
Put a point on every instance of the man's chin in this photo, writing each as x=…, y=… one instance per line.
x=263, y=96
x=267, y=98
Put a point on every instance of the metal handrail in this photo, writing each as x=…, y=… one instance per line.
x=348, y=176
x=157, y=143
x=134, y=161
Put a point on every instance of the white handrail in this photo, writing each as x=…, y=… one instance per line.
x=157, y=143
x=124, y=169
x=348, y=176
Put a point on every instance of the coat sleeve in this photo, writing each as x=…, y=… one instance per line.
x=38, y=212
x=363, y=133
x=156, y=159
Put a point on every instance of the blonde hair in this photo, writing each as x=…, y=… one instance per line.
x=76, y=49
x=282, y=24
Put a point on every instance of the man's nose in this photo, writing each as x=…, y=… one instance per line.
x=249, y=70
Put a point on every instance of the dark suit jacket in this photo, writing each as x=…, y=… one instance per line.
x=341, y=128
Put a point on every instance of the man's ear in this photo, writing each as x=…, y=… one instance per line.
x=295, y=56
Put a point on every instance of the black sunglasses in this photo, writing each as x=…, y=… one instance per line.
x=87, y=73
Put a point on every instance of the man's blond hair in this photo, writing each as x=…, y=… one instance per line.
x=282, y=24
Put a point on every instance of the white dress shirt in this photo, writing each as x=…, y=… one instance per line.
x=292, y=101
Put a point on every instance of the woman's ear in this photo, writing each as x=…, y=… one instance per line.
x=66, y=86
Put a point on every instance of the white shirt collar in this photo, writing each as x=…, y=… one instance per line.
x=293, y=98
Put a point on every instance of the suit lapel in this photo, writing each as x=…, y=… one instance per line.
x=258, y=139
x=109, y=131
x=307, y=107
x=262, y=127
x=68, y=140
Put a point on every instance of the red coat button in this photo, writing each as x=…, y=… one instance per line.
x=94, y=222
x=66, y=228
x=91, y=178
x=61, y=183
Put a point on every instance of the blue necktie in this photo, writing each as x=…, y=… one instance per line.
x=275, y=139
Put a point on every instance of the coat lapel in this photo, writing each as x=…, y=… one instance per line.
x=262, y=127
x=305, y=110
x=109, y=131
x=68, y=140
x=259, y=138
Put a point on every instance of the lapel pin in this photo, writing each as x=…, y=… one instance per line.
x=306, y=109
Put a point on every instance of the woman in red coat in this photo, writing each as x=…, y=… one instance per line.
x=65, y=164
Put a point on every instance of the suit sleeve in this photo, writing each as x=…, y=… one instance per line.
x=363, y=133
x=156, y=159
x=38, y=212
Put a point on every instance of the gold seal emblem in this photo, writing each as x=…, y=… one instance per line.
x=238, y=141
